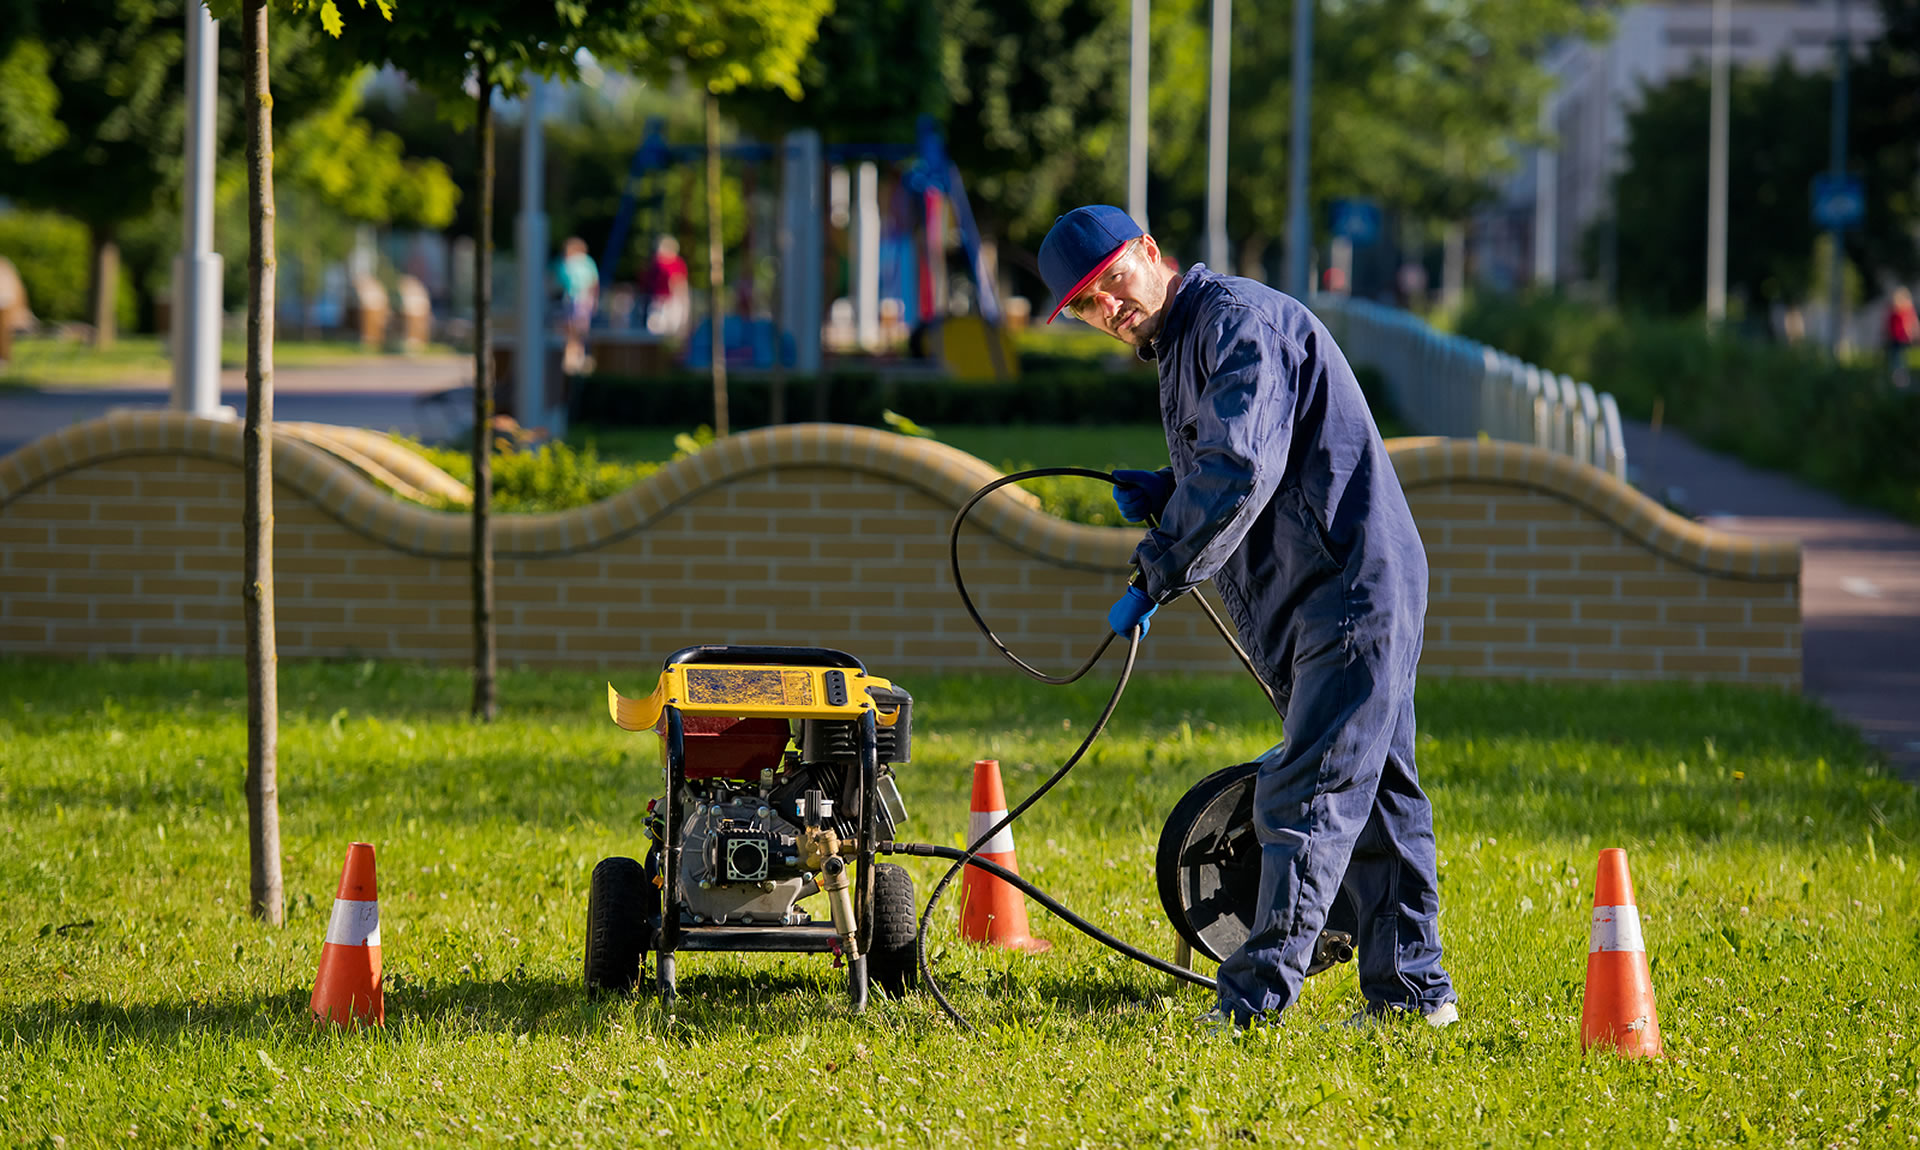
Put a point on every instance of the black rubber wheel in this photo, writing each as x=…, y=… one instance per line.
x=1208, y=871
x=890, y=959
x=621, y=908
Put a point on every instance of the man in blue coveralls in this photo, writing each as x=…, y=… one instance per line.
x=1281, y=492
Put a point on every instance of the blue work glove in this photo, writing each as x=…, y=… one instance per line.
x=1141, y=493
x=1135, y=608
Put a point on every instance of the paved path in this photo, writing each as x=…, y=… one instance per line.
x=386, y=394
x=1859, y=585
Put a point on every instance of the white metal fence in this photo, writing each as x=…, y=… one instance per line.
x=1448, y=385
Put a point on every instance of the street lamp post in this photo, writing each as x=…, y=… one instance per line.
x=1299, y=231
x=1717, y=165
x=1137, y=112
x=1217, y=257
x=1837, y=164
x=194, y=326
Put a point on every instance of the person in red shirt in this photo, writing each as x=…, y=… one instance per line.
x=1903, y=331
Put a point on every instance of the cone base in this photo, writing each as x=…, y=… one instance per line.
x=1026, y=943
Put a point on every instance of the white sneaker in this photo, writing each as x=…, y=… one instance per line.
x=1217, y=1023
x=1446, y=1014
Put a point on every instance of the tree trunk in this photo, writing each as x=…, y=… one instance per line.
x=717, y=270
x=263, y=685
x=106, y=285
x=484, y=695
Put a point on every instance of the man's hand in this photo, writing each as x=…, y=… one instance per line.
x=1134, y=609
x=1141, y=493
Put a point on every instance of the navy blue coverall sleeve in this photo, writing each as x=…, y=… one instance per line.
x=1239, y=434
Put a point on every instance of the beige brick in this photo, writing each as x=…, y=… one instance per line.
x=431, y=590
x=1573, y=585
x=1773, y=665
x=811, y=620
x=1697, y=612
x=364, y=615
x=295, y=562
x=1535, y=511
x=1447, y=655
x=1630, y=559
x=222, y=514
x=1614, y=611
x=1659, y=636
x=1487, y=584
x=1575, y=538
x=141, y=511
x=33, y=534
x=228, y=612
x=712, y=521
x=354, y=639
x=106, y=635
x=295, y=612
x=174, y=587
x=1458, y=632
x=637, y=620
x=1768, y=613
x=642, y=570
x=25, y=560
x=152, y=609
x=26, y=634
x=774, y=548
x=697, y=596
x=91, y=585
x=1448, y=607
x=1533, y=561
x=1528, y=608
x=390, y=565
x=1604, y=660
x=560, y=617
x=1742, y=589
x=41, y=508
x=888, y=549
x=1574, y=636
x=1699, y=664
x=731, y=571
x=1459, y=559
x=1536, y=658
x=183, y=636
x=180, y=538
x=1666, y=587
x=616, y=644
x=1459, y=535
x=664, y=545
x=715, y=623
x=66, y=535
x=1749, y=638
x=786, y=499
x=74, y=609
x=29, y=583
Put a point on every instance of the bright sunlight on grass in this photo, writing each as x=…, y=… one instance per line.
x=140, y=1003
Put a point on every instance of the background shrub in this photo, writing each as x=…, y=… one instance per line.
x=52, y=254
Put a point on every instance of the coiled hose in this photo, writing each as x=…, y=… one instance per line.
x=970, y=856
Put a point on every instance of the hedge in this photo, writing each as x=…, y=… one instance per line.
x=1838, y=425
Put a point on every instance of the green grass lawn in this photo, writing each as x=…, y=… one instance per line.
x=142, y=359
x=140, y=1003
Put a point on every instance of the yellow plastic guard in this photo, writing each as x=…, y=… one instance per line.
x=750, y=691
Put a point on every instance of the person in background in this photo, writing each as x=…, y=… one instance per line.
x=1903, y=331
x=579, y=280
x=667, y=293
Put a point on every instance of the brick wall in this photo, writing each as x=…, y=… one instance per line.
x=122, y=537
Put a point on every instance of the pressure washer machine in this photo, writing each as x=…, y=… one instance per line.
x=779, y=785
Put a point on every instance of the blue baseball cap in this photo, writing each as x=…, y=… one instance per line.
x=1082, y=244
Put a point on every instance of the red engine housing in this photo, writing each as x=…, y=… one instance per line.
x=726, y=747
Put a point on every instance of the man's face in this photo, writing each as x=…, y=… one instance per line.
x=1128, y=300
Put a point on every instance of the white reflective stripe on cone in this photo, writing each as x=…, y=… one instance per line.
x=979, y=823
x=354, y=923
x=1615, y=928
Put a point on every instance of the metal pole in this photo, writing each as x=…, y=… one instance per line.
x=1217, y=257
x=1837, y=163
x=195, y=325
x=866, y=254
x=1717, y=165
x=530, y=353
x=1137, y=117
x=1546, y=201
x=1299, y=231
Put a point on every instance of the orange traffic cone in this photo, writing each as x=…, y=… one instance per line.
x=347, y=989
x=1619, y=1005
x=991, y=910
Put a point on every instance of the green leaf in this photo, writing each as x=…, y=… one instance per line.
x=330, y=18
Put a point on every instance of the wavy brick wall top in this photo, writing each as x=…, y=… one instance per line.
x=121, y=536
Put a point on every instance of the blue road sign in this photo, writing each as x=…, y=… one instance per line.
x=1839, y=202
x=1356, y=220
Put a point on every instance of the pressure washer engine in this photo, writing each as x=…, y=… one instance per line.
x=779, y=784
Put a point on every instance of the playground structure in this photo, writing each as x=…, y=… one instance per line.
x=896, y=254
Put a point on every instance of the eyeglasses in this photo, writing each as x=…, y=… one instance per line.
x=1086, y=306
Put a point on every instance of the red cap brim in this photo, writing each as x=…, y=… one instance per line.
x=1102, y=266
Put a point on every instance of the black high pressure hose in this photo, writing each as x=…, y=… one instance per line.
x=970, y=856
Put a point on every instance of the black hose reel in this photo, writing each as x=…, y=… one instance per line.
x=1208, y=872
